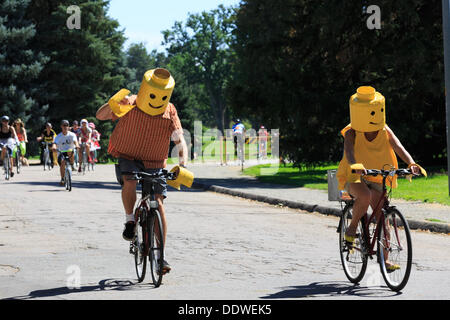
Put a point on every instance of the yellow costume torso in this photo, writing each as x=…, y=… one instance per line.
x=375, y=154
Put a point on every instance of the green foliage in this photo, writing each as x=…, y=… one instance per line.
x=300, y=61
x=82, y=71
x=200, y=50
x=20, y=65
x=86, y=65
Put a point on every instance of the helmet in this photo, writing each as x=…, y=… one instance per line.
x=91, y=125
x=84, y=121
x=5, y=118
x=64, y=123
x=237, y=120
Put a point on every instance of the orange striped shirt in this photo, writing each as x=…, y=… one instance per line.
x=139, y=136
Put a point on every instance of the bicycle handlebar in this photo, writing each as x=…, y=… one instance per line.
x=141, y=175
x=385, y=173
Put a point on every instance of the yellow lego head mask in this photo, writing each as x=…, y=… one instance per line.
x=367, y=110
x=155, y=92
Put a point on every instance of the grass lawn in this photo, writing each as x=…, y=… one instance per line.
x=431, y=189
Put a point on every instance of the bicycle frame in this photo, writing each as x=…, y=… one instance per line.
x=377, y=215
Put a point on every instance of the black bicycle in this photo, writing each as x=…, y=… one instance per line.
x=6, y=162
x=67, y=172
x=149, y=237
x=18, y=159
x=47, y=158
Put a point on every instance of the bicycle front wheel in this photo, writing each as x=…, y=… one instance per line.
x=354, y=259
x=395, y=250
x=7, y=165
x=141, y=245
x=68, y=179
x=156, y=253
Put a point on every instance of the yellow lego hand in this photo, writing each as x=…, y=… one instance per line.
x=356, y=170
x=422, y=171
x=116, y=106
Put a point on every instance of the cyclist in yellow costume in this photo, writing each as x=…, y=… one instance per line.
x=369, y=144
x=48, y=137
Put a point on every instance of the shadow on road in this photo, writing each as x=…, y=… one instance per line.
x=242, y=183
x=330, y=289
x=75, y=184
x=103, y=285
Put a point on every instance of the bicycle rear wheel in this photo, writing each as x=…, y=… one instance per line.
x=156, y=253
x=354, y=260
x=140, y=244
x=395, y=247
x=18, y=161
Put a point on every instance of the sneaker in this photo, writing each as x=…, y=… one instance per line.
x=11, y=174
x=79, y=169
x=166, y=267
x=128, y=232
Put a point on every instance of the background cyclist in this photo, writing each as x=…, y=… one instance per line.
x=21, y=132
x=238, y=134
x=65, y=142
x=48, y=137
x=84, y=137
x=8, y=139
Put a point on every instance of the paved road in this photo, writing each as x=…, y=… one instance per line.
x=220, y=247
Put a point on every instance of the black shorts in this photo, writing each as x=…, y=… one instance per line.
x=61, y=156
x=125, y=167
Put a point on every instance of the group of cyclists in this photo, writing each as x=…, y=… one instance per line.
x=14, y=138
x=239, y=140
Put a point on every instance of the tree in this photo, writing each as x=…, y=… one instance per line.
x=200, y=50
x=86, y=65
x=299, y=61
x=19, y=64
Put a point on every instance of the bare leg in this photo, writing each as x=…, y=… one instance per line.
x=162, y=211
x=363, y=196
x=128, y=194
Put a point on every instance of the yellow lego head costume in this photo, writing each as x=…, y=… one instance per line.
x=367, y=110
x=155, y=92
x=153, y=96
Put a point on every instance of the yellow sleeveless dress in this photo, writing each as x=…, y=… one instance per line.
x=375, y=154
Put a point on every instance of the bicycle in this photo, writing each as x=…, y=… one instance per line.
x=18, y=159
x=149, y=237
x=385, y=227
x=240, y=149
x=92, y=163
x=47, y=159
x=67, y=172
x=84, y=158
x=6, y=162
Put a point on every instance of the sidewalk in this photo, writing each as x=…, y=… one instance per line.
x=229, y=180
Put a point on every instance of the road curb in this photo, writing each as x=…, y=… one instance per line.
x=413, y=224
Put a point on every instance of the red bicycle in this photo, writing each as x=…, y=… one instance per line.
x=385, y=228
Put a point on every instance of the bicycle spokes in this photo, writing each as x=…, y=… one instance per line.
x=395, y=250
